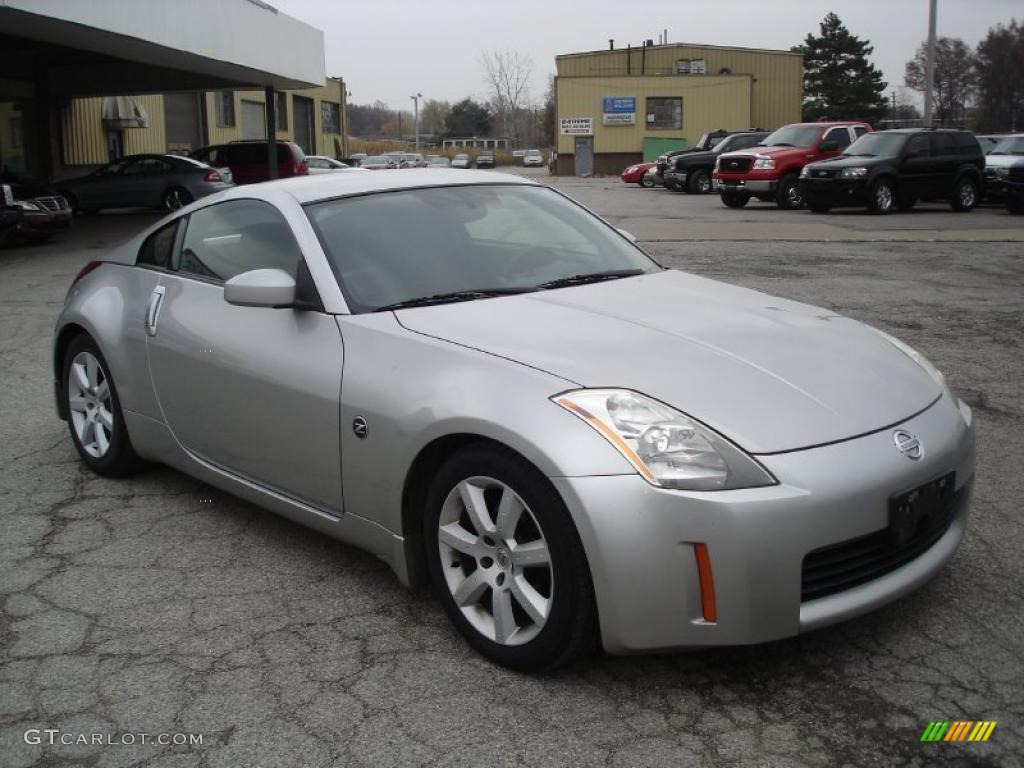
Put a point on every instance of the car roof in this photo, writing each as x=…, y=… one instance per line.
x=308, y=189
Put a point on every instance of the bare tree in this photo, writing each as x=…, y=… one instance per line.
x=507, y=74
x=955, y=78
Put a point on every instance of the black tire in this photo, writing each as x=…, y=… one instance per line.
x=645, y=182
x=787, y=196
x=175, y=198
x=698, y=182
x=881, y=197
x=120, y=458
x=965, y=195
x=570, y=630
x=819, y=207
x=735, y=199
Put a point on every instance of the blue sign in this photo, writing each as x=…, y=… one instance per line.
x=618, y=105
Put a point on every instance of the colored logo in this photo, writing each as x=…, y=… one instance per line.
x=959, y=730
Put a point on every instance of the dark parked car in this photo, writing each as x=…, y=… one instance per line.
x=1011, y=181
x=691, y=171
x=705, y=143
x=248, y=160
x=485, y=159
x=1005, y=153
x=893, y=169
x=144, y=181
x=9, y=213
x=44, y=212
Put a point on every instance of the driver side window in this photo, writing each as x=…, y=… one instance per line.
x=236, y=236
x=841, y=136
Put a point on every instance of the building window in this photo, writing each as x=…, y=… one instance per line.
x=330, y=114
x=226, y=108
x=281, y=110
x=664, y=113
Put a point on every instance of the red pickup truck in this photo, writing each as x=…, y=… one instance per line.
x=770, y=170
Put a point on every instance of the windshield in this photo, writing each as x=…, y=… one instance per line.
x=468, y=238
x=1011, y=145
x=793, y=136
x=878, y=145
x=533, y=153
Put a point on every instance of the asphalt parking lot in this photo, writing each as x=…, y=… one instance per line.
x=132, y=607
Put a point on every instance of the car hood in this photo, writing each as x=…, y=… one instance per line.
x=1002, y=161
x=854, y=161
x=770, y=374
x=770, y=152
x=696, y=158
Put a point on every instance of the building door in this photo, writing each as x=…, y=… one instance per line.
x=115, y=145
x=304, y=136
x=584, y=155
x=183, y=122
x=254, y=121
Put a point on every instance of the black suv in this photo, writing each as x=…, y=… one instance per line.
x=692, y=171
x=706, y=142
x=893, y=169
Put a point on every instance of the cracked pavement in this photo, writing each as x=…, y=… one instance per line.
x=129, y=606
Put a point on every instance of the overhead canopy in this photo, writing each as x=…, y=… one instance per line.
x=148, y=46
x=123, y=112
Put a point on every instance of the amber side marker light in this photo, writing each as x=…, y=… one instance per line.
x=707, y=582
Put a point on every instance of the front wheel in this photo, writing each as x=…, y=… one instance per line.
x=507, y=562
x=788, y=196
x=735, y=199
x=881, y=197
x=94, y=411
x=698, y=183
x=645, y=182
x=965, y=195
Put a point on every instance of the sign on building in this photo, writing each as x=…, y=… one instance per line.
x=577, y=126
x=618, y=110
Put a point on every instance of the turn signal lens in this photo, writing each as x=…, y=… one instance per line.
x=707, y=583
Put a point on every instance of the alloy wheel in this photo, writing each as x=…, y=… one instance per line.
x=793, y=196
x=967, y=195
x=90, y=404
x=496, y=561
x=883, y=197
x=176, y=198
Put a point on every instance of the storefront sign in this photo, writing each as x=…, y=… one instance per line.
x=577, y=126
x=618, y=105
x=619, y=119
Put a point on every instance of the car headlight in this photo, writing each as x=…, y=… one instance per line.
x=764, y=164
x=805, y=172
x=922, y=361
x=667, y=448
x=1002, y=173
x=27, y=205
x=854, y=173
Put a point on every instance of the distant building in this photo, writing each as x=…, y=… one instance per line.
x=475, y=143
x=615, y=107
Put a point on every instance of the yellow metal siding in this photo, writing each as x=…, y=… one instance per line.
x=84, y=142
x=151, y=140
x=709, y=102
x=777, y=89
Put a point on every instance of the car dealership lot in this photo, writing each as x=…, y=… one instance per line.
x=157, y=605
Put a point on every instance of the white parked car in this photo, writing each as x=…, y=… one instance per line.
x=533, y=157
x=320, y=164
x=461, y=160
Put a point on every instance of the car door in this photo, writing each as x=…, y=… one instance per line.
x=143, y=181
x=915, y=165
x=252, y=390
x=945, y=160
x=840, y=137
x=100, y=190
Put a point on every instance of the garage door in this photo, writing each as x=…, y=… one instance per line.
x=254, y=124
x=303, y=109
x=182, y=122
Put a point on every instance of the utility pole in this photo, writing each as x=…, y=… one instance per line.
x=929, y=71
x=416, y=117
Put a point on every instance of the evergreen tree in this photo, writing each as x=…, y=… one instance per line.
x=839, y=81
x=468, y=118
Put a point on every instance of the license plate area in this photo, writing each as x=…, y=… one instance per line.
x=918, y=511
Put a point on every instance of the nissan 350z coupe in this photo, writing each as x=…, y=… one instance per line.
x=574, y=445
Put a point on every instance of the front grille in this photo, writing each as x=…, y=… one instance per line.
x=52, y=203
x=734, y=164
x=824, y=173
x=839, y=567
x=990, y=173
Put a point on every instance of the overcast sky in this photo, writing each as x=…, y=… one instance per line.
x=390, y=49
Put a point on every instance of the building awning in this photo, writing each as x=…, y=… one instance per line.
x=123, y=112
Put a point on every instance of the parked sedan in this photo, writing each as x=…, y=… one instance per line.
x=44, y=212
x=321, y=164
x=461, y=160
x=573, y=443
x=533, y=158
x=485, y=159
x=145, y=181
x=436, y=161
x=378, y=163
x=636, y=174
x=1007, y=152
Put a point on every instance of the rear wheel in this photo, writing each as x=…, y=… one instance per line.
x=94, y=411
x=788, y=195
x=881, y=197
x=176, y=197
x=735, y=199
x=698, y=183
x=819, y=207
x=965, y=195
x=507, y=562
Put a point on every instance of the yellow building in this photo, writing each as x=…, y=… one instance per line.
x=619, y=106
x=95, y=131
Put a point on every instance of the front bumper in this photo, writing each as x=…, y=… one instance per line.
x=640, y=539
x=44, y=222
x=753, y=186
x=834, y=191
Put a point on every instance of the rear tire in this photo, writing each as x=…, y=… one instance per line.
x=788, y=197
x=175, y=198
x=735, y=199
x=519, y=591
x=95, y=418
x=881, y=197
x=698, y=182
x=965, y=195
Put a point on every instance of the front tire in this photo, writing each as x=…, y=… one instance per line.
x=645, y=182
x=95, y=418
x=735, y=199
x=698, y=183
x=881, y=197
x=506, y=561
x=965, y=195
x=788, y=196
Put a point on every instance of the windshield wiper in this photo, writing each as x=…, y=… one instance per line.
x=593, y=277
x=452, y=296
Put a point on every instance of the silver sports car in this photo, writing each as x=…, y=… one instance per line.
x=574, y=445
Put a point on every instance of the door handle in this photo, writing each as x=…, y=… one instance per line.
x=156, y=300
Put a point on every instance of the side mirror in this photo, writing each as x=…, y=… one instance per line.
x=628, y=235
x=6, y=196
x=828, y=146
x=261, y=288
